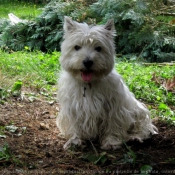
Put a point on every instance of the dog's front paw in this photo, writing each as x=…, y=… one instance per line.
x=74, y=141
x=111, y=143
x=136, y=138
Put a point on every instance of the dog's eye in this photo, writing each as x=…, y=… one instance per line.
x=77, y=47
x=98, y=49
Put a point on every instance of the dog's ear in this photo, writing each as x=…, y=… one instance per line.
x=109, y=25
x=69, y=24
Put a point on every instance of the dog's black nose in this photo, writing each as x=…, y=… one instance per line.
x=88, y=63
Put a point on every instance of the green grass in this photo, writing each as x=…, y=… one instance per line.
x=39, y=71
x=35, y=65
x=7, y=157
x=5, y=153
x=138, y=77
x=34, y=70
x=22, y=9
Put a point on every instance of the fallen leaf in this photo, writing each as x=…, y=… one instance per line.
x=167, y=84
x=156, y=79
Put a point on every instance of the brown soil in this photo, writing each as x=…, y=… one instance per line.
x=38, y=149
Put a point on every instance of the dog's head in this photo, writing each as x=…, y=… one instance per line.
x=88, y=51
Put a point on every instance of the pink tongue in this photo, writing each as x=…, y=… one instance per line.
x=86, y=76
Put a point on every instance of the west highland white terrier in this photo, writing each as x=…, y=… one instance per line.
x=95, y=101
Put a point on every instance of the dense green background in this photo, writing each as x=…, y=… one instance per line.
x=145, y=29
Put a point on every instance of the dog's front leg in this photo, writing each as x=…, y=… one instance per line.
x=73, y=141
x=110, y=142
x=112, y=136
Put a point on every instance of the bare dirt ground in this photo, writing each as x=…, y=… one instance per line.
x=36, y=146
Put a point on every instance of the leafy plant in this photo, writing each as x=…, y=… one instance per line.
x=170, y=160
x=2, y=129
x=3, y=89
x=99, y=159
x=138, y=28
x=5, y=153
x=29, y=9
x=45, y=31
x=6, y=92
x=139, y=79
x=130, y=156
x=166, y=113
x=16, y=89
x=36, y=70
x=145, y=170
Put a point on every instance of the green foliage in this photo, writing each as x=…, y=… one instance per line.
x=99, y=159
x=46, y=31
x=3, y=24
x=7, y=91
x=24, y=9
x=138, y=28
x=5, y=153
x=145, y=170
x=32, y=64
x=16, y=88
x=170, y=160
x=6, y=156
x=166, y=113
x=39, y=71
x=140, y=83
x=138, y=78
x=2, y=130
x=130, y=156
x=36, y=70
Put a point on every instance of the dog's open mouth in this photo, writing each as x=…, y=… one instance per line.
x=86, y=75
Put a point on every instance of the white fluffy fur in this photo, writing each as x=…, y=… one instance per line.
x=103, y=108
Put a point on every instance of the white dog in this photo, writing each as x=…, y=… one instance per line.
x=95, y=102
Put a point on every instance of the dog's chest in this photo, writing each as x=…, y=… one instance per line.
x=91, y=101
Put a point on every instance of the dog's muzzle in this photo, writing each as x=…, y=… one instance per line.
x=87, y=72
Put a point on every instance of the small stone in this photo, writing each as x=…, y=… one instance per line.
x=11, y=128
x=44, y=126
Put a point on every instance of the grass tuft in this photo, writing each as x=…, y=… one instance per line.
x=35, y=70
x=139, y=80
x=24, y=10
